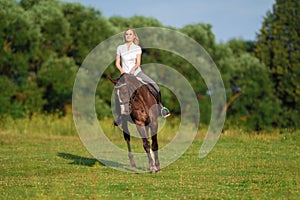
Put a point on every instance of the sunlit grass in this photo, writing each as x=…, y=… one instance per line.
x=37, y=161
x=39, y=124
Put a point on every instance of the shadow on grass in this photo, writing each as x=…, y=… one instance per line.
x=90, y=162
x=79, y=160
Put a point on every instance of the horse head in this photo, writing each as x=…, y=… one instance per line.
x=124, y=88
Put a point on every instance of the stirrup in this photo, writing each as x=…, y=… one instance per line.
x=165, y=112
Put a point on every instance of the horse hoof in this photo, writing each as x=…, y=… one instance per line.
x=153, y=170
x=133, y=165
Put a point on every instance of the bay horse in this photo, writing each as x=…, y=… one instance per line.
x=138, y=105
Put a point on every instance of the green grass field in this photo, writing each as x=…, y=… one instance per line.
x=44, y=165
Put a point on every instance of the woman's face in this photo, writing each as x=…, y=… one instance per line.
x=129, y=36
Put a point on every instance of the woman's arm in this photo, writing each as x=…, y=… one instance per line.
x=137, y=63
x=118, y=64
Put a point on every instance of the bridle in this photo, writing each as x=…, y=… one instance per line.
x=117, y=88
x=131, y=95
x=132, y=90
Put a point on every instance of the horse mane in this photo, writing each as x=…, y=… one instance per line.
x=131, y=80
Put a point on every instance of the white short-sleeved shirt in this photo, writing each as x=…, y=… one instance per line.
x=128, y=57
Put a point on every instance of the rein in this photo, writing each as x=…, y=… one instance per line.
x=119, y=86
x=132, y=90
x=131, y=97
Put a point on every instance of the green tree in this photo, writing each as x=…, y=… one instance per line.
x=203, y=34
x=18, y=39
x=88, y=27
x=240, y=47
x=134, y=22
x=57, y=76
x=257, y=108
x=8, y=90
x=31, y=97
x=54, y=29
x=278, y=46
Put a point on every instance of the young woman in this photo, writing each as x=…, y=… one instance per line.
x=128, y=60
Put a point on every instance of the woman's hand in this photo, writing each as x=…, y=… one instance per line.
x=132, y=71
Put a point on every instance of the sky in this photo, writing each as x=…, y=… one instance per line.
x=240, y=19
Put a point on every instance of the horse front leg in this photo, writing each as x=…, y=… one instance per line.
x=154, y=146
x=146, y=144
x=126, y=135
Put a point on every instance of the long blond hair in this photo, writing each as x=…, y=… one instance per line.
x=136, y=40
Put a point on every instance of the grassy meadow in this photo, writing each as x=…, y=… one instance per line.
x=43, y=158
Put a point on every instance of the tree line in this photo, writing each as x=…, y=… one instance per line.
x=44, y=42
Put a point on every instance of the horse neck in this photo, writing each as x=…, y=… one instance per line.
x=134, y=84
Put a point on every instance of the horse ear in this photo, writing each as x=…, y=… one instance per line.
x=112, y=80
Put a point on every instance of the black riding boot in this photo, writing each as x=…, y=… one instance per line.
x=164, y=112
